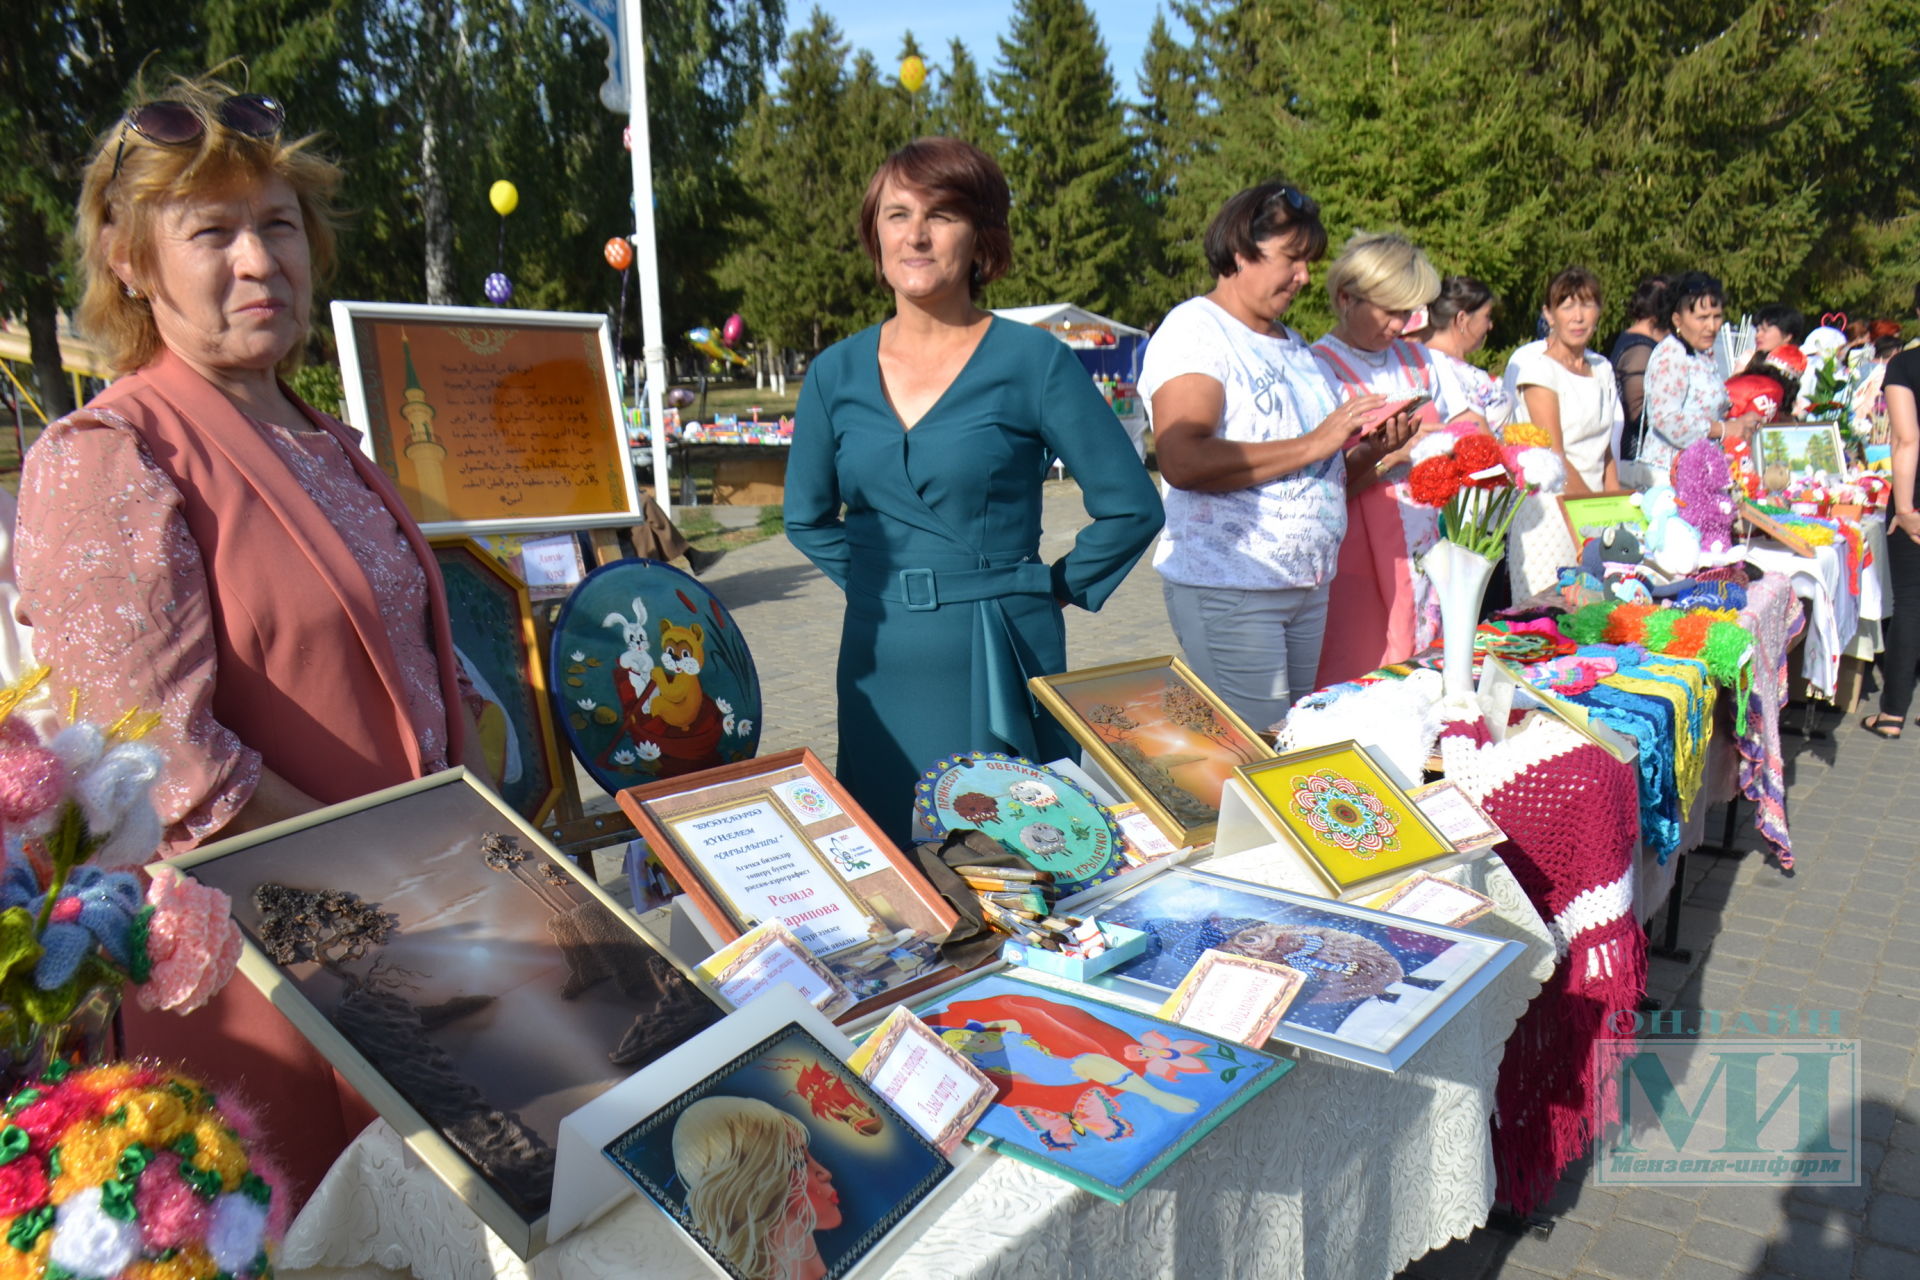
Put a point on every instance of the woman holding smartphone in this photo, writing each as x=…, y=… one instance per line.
x=1382, y=610
x=1249, y=435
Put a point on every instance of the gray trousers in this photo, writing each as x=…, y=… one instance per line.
x=1259, y=650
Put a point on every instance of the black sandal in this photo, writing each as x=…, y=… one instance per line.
x=1876, y=724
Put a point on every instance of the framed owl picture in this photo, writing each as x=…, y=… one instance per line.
x=1377, y=986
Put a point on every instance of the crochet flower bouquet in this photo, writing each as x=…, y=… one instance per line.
x=1478, y=486
x=73, y=917
x=130, y=1172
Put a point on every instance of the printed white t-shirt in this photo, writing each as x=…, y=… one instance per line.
x=1284, y=533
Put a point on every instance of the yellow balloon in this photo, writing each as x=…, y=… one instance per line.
x=505, y=197
x=913, y=74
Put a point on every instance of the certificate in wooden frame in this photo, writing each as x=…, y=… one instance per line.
x=499, y=647
x=528, y=970
x=1354, y=825
x=779, y=837
x=490, y=421
x=1159, y=734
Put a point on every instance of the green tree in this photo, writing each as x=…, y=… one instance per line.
x=1076, y=218
x=963, y=109
x=1171, y=128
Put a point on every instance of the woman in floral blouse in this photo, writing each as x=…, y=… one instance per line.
x=1686, y=399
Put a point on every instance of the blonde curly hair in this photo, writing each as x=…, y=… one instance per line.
x=118, y=213
x=744, y=1163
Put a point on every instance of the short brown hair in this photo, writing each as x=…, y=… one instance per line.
x=117, y=210
x=1271, y=211
x=1574, y=282
x=960, y=176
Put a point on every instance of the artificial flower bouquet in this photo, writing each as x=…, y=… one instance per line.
x=78, y=820
x=129, y=1172
x=1478, y=484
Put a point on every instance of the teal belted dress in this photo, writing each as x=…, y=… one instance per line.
x=949, y=607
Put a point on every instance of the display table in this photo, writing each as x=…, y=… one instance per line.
x=1833, y=604
x=1337, y=1172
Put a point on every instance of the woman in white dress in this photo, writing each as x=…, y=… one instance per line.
x=1568, y=399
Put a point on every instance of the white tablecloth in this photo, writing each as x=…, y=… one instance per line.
x=1335, y=1172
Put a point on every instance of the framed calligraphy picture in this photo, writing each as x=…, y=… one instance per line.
x=778, y=838
x=489, y=421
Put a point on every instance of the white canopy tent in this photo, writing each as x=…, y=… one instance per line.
x=1119, y=360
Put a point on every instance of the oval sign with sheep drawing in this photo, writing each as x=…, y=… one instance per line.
x=651, y=676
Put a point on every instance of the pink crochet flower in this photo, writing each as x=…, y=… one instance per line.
x=49, y=1117
x=23, y=1186
x=192, y=939
x=172, y=1215
x=32, y=780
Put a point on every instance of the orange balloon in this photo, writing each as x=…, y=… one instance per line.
x=619, y=253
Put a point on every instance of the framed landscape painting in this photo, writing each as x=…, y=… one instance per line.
x=1377, y=986
x=473, y=985
x=1796, y=451
x=1159, y=734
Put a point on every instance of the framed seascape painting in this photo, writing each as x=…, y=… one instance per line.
x=651, y=676
x=494, y=639
x=1159, y=734
x=489, y=421
x=471, y=983
x=778, y=838
x=1377, y=986
x=1353, y=824
x=1100, y=1095
x=1797, y=451
x=777, y=1160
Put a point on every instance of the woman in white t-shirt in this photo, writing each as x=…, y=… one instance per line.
x=1249, y=435
x=1568, y=399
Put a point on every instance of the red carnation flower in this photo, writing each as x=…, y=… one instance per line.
x=1434, y=481
x=1477, y=453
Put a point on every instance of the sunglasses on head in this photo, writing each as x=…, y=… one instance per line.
x=1296, y=200
x=175, y=124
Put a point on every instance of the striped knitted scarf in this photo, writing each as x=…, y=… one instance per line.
x=1571, y=815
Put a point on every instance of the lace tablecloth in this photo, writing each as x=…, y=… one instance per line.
x=1337, y=1172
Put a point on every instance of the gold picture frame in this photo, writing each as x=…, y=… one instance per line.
x=1355, y=827
x=464, y=916
x=1118, y=711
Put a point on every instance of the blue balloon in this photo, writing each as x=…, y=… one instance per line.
x=499, y=289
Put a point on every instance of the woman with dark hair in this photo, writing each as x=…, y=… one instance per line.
x=1686, y=400
x=919, y=453
x=1646, y=325
x=1902, y=389
x=1777, y=325
x=1459, y=321
x=1249, y=435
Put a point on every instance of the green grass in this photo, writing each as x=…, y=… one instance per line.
x=723, y=398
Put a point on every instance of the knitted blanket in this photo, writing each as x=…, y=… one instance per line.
x=1570, y=812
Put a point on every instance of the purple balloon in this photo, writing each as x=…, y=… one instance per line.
x=499, y=289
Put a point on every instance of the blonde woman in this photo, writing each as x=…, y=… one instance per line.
x=754, y=1191
x=1381, y=610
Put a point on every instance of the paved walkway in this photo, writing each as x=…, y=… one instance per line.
x=1842, y=934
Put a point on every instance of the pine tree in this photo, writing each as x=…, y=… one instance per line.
x=1170, y=129
x=963, y=110
x=1075, y=217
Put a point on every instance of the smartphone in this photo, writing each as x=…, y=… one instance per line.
x=1412, y=404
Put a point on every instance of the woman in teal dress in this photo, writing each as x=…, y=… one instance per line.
x=915, y=484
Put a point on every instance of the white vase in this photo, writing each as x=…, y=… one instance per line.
x=1460, y=580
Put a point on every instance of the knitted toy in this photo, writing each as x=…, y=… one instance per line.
x=1569, y=810
x=129, y=1171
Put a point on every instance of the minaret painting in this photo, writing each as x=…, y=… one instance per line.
x=423, y=448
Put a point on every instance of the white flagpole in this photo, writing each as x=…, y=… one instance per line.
x=646, y=260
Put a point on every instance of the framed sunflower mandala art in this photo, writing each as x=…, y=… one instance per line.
x=1353, y=822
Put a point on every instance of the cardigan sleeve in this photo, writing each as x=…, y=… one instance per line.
x=114, y=586
x=812, y=499
x=1080, y=427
